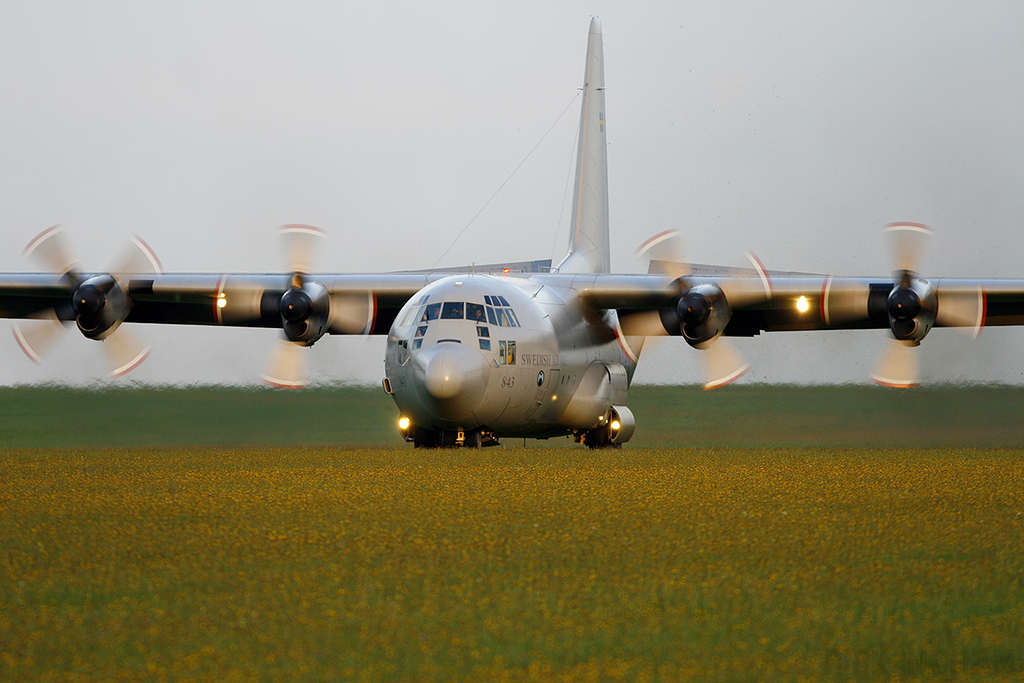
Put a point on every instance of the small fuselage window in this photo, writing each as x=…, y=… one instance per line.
x=506, y=353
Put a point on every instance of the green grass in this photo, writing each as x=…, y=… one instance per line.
x=62, y=417
x=854, y=416
x=745, y=415
x=720, y=564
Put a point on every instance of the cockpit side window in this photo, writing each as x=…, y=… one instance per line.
x=452, y=310
x=410, y=316
x=499, y=311
x=431, y=312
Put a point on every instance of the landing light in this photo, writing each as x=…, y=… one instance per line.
x=802, y=305
x=615, y=425
x=221, y=301
x=403, y=423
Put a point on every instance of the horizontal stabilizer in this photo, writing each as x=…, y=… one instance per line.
x=538, y=266
x=657, y=267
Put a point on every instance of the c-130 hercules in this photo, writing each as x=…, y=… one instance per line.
x=518, y=350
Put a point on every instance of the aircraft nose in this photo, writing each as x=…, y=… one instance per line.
x=443, y=376
x=452, y=378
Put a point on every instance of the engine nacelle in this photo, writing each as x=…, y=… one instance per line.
x=703, y=314
x=100, y=306
x=912, y=307
x=621, y=425
x=305, y=312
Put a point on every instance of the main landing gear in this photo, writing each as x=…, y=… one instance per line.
x=596, y=438
x=445, y=438
x=616, y=427
x=451, y=438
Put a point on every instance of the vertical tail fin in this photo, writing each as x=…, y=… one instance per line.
x=588, y=243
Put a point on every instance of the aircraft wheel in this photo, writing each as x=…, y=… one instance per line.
x=472, y=439
x=424, y=438
x=597, y=438
x=448, y=438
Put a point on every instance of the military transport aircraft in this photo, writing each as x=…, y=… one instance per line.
x=518, y=349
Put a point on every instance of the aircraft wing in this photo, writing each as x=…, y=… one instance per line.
x=863, y=303
x=359, y=304
x=799, y=302
x=368, y=303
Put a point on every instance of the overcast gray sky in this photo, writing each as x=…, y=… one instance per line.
x=792, y=129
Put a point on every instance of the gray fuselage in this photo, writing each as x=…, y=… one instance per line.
x=507, y=356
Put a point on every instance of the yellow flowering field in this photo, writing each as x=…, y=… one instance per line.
x=511, y=564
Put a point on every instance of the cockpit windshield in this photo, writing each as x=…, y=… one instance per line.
x=496, y=312
x=452, y=310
